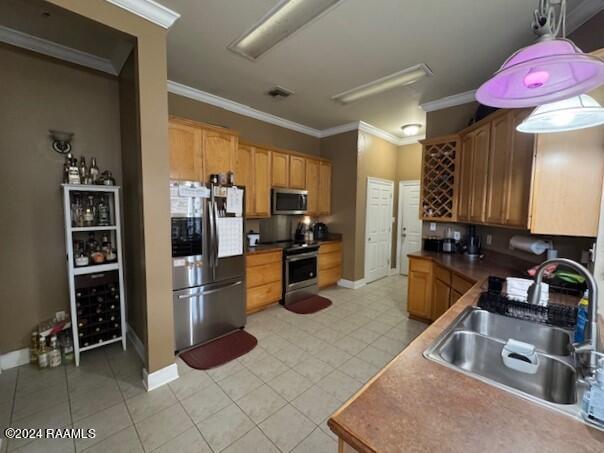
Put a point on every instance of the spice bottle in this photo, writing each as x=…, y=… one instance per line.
x=54, y=354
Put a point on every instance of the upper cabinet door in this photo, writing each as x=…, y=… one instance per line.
x=185, y=151
x=312, y=186
x=480, y=165
x=324, y=188
x=519, y=170
x=218, y=152
x=297, y=172
x=499, y=156
x=280, y=169
x=244, y=175
x=262, y=182
x=465, y=182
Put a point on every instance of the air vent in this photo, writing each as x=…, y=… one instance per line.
x=280, y=93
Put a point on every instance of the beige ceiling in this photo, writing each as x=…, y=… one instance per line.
x=462, y=41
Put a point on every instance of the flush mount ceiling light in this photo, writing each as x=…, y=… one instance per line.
x=548, y=71
x=578, y=112
x=285, y=18
x=405, y=77
x=409, y=130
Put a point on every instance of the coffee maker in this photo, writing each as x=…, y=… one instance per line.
x=473, y=243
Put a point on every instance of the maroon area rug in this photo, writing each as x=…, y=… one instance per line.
x=311, y=305
x=220, y=351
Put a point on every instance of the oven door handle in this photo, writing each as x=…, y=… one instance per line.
x=301, y=256
x=209, y=291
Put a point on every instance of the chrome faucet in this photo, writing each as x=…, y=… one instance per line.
x=592, y=327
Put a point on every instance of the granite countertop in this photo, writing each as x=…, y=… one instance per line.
x=416, y=405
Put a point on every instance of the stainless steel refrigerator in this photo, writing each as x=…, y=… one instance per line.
x=208, y=263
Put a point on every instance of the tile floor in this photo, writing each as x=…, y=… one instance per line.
x=276, y=398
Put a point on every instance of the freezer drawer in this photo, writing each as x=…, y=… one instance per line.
x=206, y=312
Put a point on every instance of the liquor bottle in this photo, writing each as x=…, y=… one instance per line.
x=67, y=349
x=104, y=218
x=74, y=172
x=33, y=349
x=83, y=170
x=42, y=353
x=54, y=354
x=93, y=171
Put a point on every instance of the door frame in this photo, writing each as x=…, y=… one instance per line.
x=371, y=179
x=399, y=242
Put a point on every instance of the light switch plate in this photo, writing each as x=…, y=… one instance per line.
x=489, y=239
x=60, y=315
x=456, y=235
x=432, y=226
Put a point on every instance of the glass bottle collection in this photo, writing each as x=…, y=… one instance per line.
x=74, y=173
x=94, y=252
x=51, y=351
x=90, y=209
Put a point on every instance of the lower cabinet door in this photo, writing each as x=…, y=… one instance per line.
x=455, y=296
x=440, y=298
x=419, y=294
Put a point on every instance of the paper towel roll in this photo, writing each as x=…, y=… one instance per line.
x=528, y=244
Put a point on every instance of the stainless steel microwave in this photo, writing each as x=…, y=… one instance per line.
x=289, y=201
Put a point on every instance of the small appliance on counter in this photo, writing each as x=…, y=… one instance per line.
x=320, y=231
x=473, y=243
x=253, y=239
x=304, y=232
x=433, y=244
x=449, y=245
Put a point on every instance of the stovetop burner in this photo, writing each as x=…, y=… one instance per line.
x=295, y=247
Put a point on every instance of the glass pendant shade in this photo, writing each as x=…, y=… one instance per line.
x=548, y=71
x=578, y=112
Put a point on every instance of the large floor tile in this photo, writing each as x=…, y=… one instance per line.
x=339, y=385
x=48, y=446
x=205, y=403
x=240, y=384
x=267, y=368
x=84, y=404
x=149, y=403
x=46, y=378
x=55, y=417
x=316, y=404
x=226, y=370
x=388, y=345
x=130, y=385
x=8, y=383
x=188, y=442
x=287, y=428
x=333, y=356
x=27, y=404
x=225, y=427
x=190, y=383
x=162, y=427
x=359, y=369
x=290, y=384
x=125, y=441
x=261, y=403
x=106, y=423
x=313, y=369
x=317, y=442
x=253, y=442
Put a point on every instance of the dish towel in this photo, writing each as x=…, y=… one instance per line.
x=517, y=289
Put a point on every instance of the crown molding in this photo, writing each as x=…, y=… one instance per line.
x=582, y=13
x=411, y=140
x=52, y=49
x=449, y=101
x=149, y=10
x=236, y=107
x=355, y=125
x=377, y=132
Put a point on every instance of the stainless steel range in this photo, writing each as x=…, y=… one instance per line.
x=300, y=271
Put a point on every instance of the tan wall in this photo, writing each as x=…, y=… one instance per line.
x=376, y=158
x=409, y=162
x=249, y=129
x=154, y=196
x=449, y=121
x=40, y=93
x=341, y=149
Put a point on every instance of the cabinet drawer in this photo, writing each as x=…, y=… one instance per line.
x=420, y=265
x=258, y=259
x=442, y=274
x=330, y=247
x=261, y=296
x=461, y=285
x=329, y=260
x=328, y=277
x=263, y=274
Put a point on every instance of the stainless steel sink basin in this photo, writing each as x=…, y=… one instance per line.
x=550, y=340
x=473, y=345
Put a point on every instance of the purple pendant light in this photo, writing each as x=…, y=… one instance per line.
x=550, y=70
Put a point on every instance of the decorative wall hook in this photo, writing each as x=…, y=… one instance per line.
x=61, y=141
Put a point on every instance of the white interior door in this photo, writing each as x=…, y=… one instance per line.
x=410, y=226
x=378, y=228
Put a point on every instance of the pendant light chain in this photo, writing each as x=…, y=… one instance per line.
x=545, y=23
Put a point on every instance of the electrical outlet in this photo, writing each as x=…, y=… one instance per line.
x=432, y=226
x=60, y=315
x=456, y=235
x=489, y=239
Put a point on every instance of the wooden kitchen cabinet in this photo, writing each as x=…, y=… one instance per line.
x=312, y=186
x=219, y=148
x=280, y=169
x=252, y=170
x=465, y=177
x=419, y=289
x=480, y=161
x=185, y=151
x=244, y=174
x=324, y=188
x=262, y=183
x=330, y=264
x=263, y=279
x=441, y=293
x=498, y=159
x=297, y=172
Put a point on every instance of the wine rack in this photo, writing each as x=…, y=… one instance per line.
x=440, y=170
x=96, y=290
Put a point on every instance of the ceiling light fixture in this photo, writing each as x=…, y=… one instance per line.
x=550, y=70
x=578, y=112
x=409, y=130
x=284, y=19
x=405, y=77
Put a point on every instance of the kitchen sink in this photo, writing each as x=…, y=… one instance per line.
x=473, y=345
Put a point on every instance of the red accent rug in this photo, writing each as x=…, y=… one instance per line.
x=307, y=306
x=220, y=351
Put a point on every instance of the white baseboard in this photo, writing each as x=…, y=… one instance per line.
x=139, y=347
x=394, y=271
x=356, y=284
x=14, y=359
x=159, y=377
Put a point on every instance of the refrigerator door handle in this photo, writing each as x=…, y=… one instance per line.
x=209, y=291
x=212, y=232
x=216, y=238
